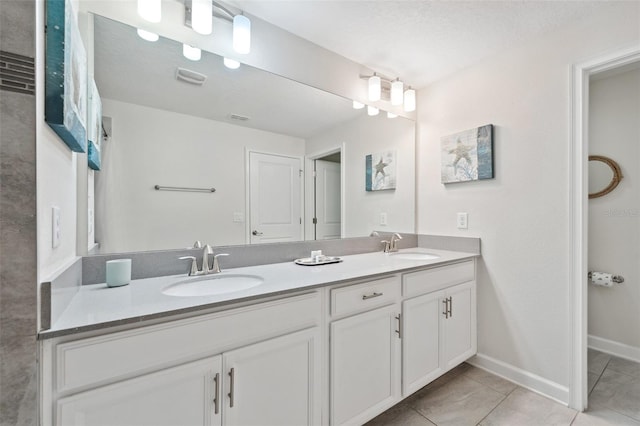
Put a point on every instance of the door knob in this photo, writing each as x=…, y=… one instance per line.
x=257, y=233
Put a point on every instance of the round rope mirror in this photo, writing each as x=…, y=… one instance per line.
x=615, y=179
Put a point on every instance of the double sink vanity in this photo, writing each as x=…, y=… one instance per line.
x=275, y=344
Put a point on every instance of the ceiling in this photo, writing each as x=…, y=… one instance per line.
x=420, y=41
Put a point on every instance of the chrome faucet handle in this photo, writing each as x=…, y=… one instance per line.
x=216, y=263
x=374, y=234
x=206, y=251
x=387, y=246
x=194, y=265
x=393, y=245
x=197, y=244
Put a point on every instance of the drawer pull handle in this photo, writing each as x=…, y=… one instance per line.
x=450, y=306
x=399, y=330
x=231, y=386
x=216, y=399
x=371, y=296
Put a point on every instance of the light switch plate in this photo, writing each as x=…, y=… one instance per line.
x=55, y=227
x=463, y=220
x=383, y=219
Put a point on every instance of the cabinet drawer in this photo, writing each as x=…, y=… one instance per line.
x=421, y=282
x=115, y=356
x=360, y=297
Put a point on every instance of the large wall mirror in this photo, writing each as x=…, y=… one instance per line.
x=254, y=136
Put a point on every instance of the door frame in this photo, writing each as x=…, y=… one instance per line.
x=578, y=213
x=247, y=190
x=309, y=190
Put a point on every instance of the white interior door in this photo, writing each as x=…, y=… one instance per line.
x=327, y=196
x=275, y=186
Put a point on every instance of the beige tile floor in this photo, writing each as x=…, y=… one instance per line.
x=470, y=396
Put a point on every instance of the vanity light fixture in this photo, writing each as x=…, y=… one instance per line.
x=357, y=105
x=375, y=88
x=397, y=89
x=202, y=16
x=192, y=53
x=410, y=100
x=391, y=115
x=148, y=35
x=371, y=110
x=198, y=14
x=231, y=63
x=150, y=10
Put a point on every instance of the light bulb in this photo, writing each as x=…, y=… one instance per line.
x=202, y=16
x=371, y=110
x=148, y=35
x=396, y=92
x=241, y=34
x=374, y=88
x=231, y=63
x=150, y=10
x=410, y=100
x=391, y=115
x=192, y=53
x=357, y=105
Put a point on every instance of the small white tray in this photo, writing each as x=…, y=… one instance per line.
x=324, y=260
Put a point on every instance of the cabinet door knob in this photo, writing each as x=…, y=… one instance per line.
x=257, y=233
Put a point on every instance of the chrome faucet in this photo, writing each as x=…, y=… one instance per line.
x=391, y=246
x=205, y=269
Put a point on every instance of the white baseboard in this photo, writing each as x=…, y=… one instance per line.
x=523, y=378
x=614, y=348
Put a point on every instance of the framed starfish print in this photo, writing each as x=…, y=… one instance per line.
x=380, y=171
x=467, y=155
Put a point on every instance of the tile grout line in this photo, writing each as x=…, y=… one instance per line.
x=494, y=408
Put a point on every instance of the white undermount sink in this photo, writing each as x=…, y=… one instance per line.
x=210, y=285
x=414, y=255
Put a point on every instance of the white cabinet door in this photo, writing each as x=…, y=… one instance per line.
x=182, y=395
x=365, y=366
x=275, y=382
x=421, y=341
x=459, y=326
x=327, y=198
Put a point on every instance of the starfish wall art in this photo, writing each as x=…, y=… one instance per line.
x=380, y=171
x=467, y=155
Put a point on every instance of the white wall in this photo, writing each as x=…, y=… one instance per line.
x=369, y=135
x=614, y=219
x=151, y=147
x=522, y=215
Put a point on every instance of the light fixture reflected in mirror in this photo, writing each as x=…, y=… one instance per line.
x=241, y=34
x=231, y=63
x=148, y=35
x=192, y=53
x=371, y=110
x=202, y=16
x=357, y=105
x=150, y=10
x=391, y=115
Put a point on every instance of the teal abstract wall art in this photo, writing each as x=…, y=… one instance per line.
x=65, y=76
x=467, y=155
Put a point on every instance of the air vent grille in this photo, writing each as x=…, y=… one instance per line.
x=191, y=77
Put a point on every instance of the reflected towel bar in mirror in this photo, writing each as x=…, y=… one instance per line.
x=179, y=188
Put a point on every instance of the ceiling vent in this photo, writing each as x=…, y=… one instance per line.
x=191, y=77
x=238, y=117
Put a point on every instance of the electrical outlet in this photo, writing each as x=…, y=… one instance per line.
x=463, y=220
x=238, y=217
x=55, y=227
x=383, y=219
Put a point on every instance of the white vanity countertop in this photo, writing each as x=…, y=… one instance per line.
x=97, y=306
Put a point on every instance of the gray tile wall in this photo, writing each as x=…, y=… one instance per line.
x=18, y=299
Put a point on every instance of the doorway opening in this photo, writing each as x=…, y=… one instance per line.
x=579, y=214
x=324, y=199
